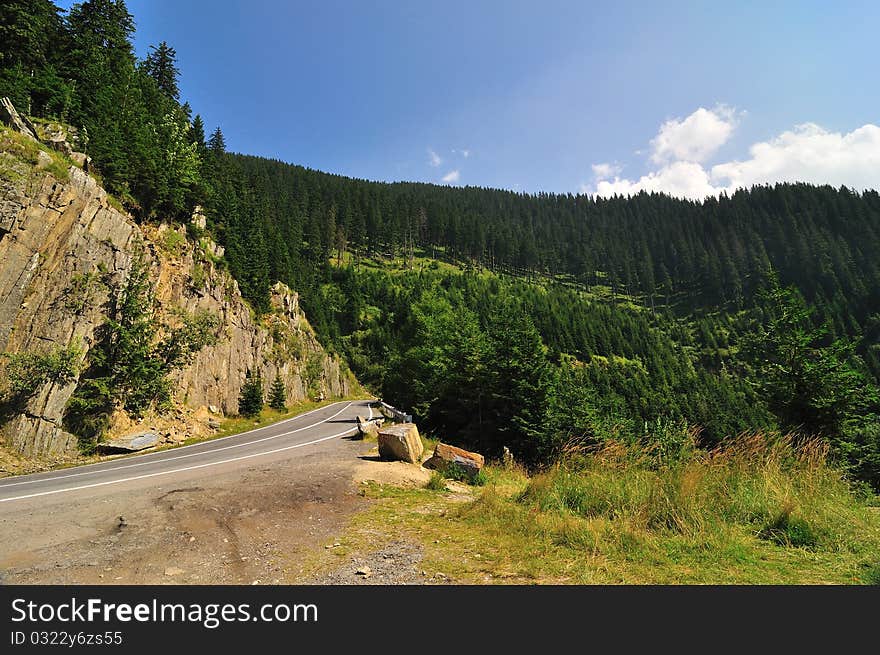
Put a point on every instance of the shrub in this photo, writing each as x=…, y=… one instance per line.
x=788, y=530
x=27, y=372
x=437, y=482
x=173, y=242
x=198, y=276
x=460, y=473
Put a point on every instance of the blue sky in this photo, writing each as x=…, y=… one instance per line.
x=537, y=96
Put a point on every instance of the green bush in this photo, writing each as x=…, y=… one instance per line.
x=461, y=473
x=27, y=372
x=173, y=242
x=788, y=530
x=437, y=482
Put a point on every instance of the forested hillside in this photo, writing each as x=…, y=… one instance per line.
x=501, y=318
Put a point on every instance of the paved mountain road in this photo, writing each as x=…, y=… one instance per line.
x=235, y=510
x=281, y=440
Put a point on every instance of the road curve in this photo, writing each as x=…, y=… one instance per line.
x=280, y=440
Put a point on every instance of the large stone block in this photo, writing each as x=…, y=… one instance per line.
x=401, y=442
x=446, y=455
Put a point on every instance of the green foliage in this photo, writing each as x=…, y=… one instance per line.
x=437, y=482
x=314, y=369
x=26, y=372
x=198, y=276
x=160, y=65
x=250, y=400
x=81, y=69
x=87, y=414
x=83, y=291
x=278, y=395
x=776, y=489
x=461, y=473
x=817, y=385
x=129, y=363
x=787, y=530
x=194, y=332
x=172, y=242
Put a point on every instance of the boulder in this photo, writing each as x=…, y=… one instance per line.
x=444, y=455
x=44, y=159
x=9, y=116
x=198, y=218
x=82, y=160
x=131, y=442
x=367, y=429
x=401, y=442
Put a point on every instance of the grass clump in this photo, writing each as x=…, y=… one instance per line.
x=759, y=509
x=460, y=473
x=775, y=488
x=173, y=242
x=437, y=482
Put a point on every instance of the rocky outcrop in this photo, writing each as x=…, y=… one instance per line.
x=65, y=247
x=367, y=429
x=131, y=442
x=55, y=237
x=9, y=116
x=401, y=442
x=282, y=344
x=446, y=455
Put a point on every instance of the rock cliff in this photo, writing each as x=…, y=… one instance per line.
x=65, y=246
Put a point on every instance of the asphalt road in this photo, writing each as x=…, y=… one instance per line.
x=280, y=441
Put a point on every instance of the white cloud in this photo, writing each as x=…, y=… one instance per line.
x=682, y=178
x=465, y=153
x=695, y=138
x=452, y=177
x=434, y=159
x=605, y=171
x=807, y=153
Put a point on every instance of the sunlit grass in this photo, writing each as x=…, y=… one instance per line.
x=757, y=511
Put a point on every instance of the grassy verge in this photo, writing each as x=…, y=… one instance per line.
x=758, y=511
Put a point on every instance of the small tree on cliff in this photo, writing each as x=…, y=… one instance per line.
x=278, y=395
x=250, y=400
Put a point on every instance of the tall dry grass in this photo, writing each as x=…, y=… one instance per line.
x=779, y=487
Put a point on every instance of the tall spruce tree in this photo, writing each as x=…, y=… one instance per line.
x=278, y=395
x=161, y=65
x=250, y=400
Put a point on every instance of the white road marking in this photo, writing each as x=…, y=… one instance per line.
x=171, y=459
x=179, y=470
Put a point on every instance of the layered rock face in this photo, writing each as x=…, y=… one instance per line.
x=282, y=344
x=53, y=235
x=64, y=249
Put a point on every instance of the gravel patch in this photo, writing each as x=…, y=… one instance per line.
x=396, y=563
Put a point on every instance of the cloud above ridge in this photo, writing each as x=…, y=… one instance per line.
x=806, y=153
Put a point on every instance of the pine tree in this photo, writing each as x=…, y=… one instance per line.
x=217, y=143
x=197, y=133
x=160, y=64
x=278, y=395
x=250, y=400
